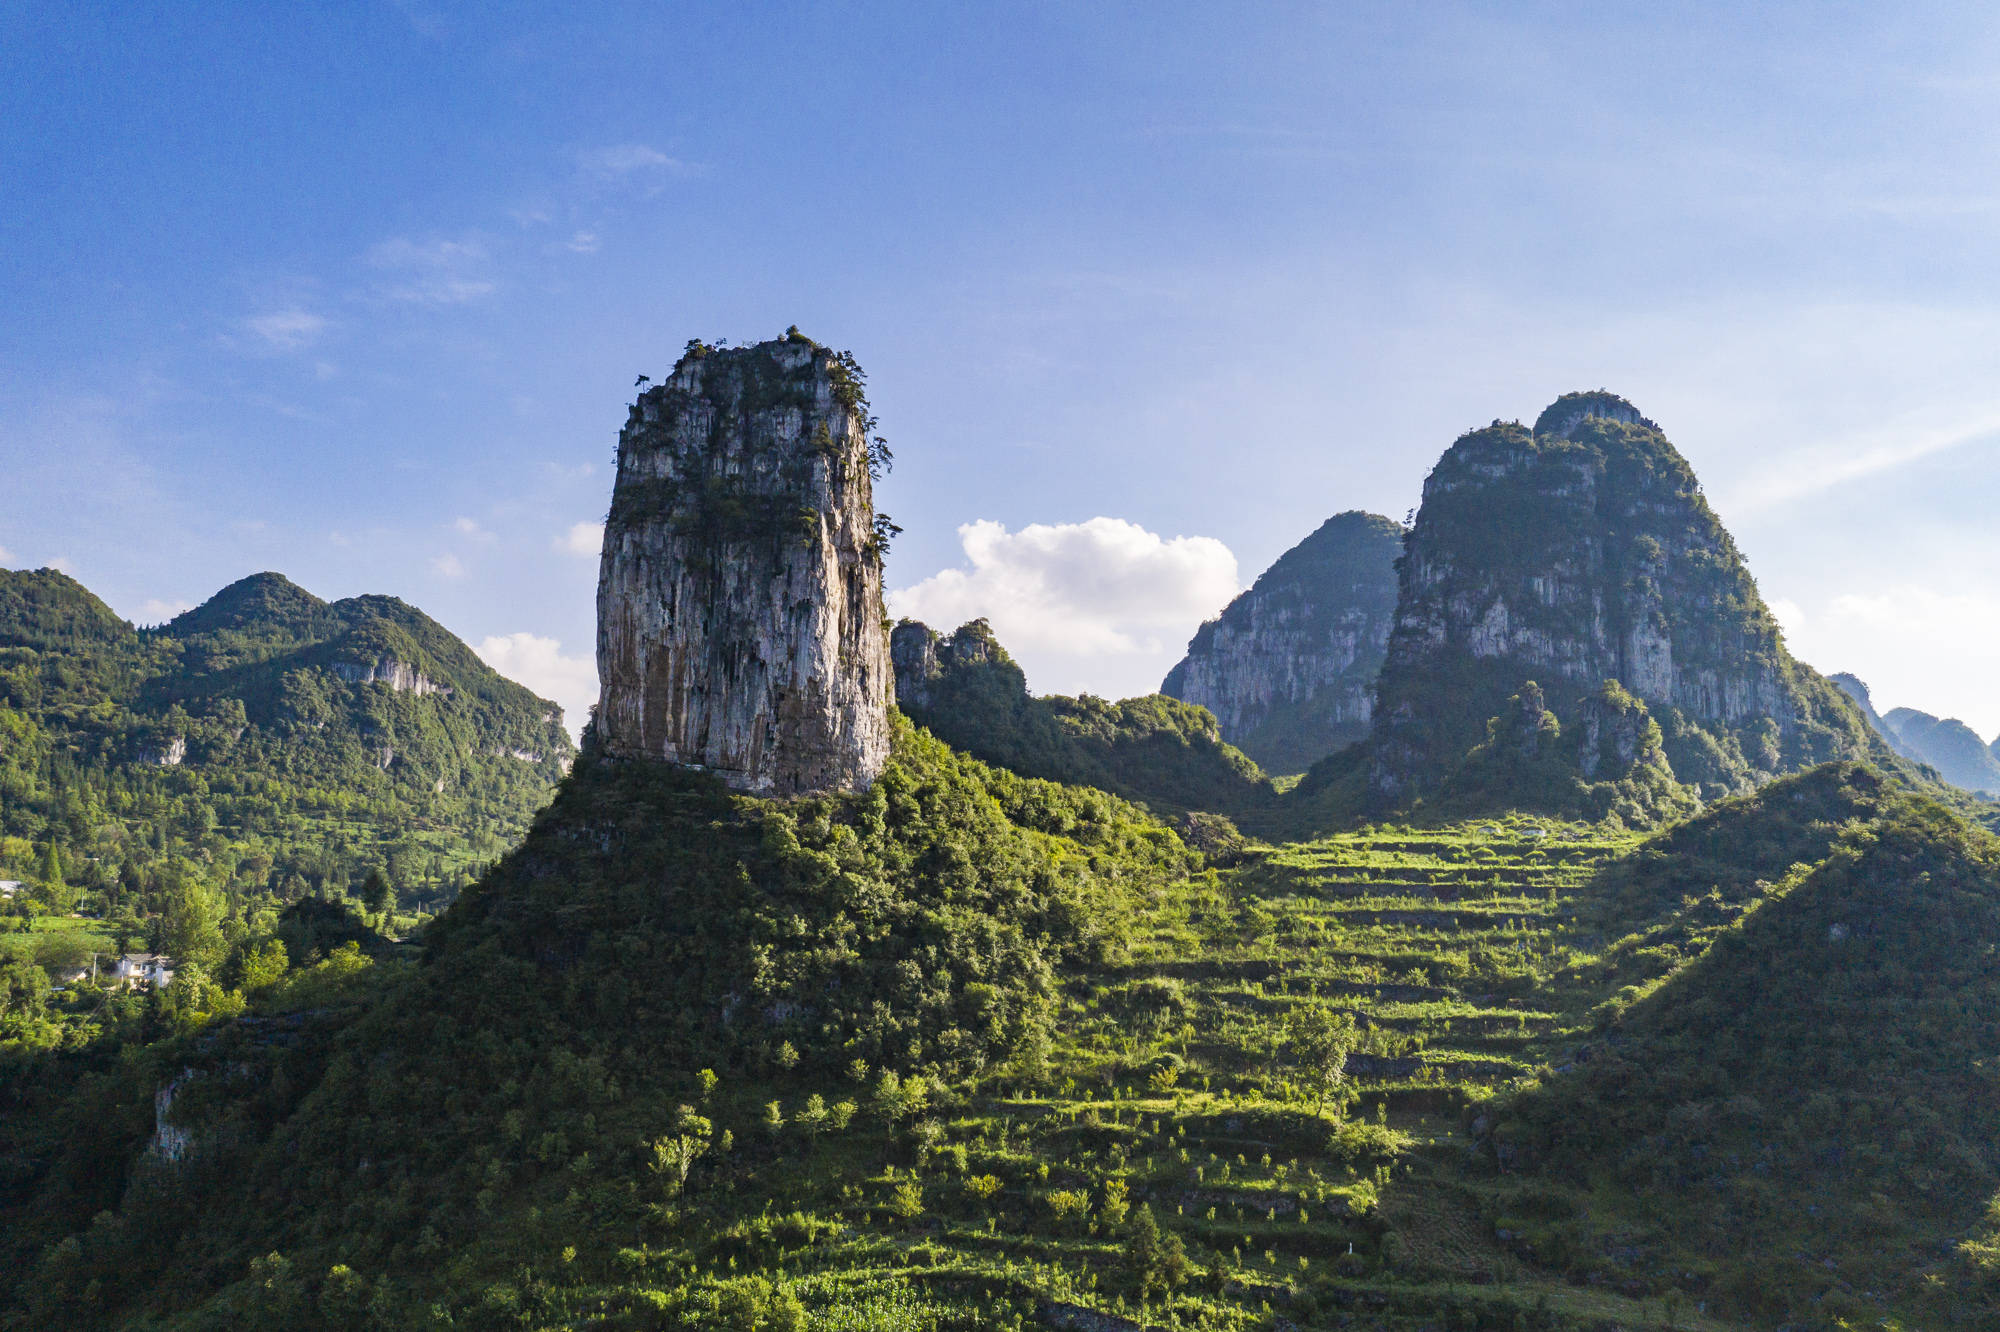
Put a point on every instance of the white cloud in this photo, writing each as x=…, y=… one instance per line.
x=158, y=611
x=431, y=272
x=1915, y=647
x=626, y=158
x=540, y=664
x=287, y=330
x=1104, y=606
x=448, y=566
x=1809, y=471
x=1791, y=617
x=6, y=556
x=583, y=539
x=62, y=564
x=471, y=530
x=583, y=242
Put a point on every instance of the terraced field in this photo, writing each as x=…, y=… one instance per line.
x=1456, y=952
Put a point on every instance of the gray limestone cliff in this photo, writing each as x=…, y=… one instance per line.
x=1582, y=552
x=739, y=602
x=1289, y=666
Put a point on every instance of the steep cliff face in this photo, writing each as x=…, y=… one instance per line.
x=1289, y=667
x=739, y=601
x=1579, y=553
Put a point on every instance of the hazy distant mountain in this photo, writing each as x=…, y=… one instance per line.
x=1947, y=745
x=1289, y=666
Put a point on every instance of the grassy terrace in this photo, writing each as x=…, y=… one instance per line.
x=1455, y=951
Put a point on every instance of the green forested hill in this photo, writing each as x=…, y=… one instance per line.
x=1800, y=1113
x=261, y=747
x=1168, y=754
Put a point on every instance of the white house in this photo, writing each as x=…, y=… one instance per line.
x=8, y=887
x=151, y=969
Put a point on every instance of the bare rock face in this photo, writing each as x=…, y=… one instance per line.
x=1289, y=666
x=1580, y=552
x=739, y=601
x=399, y=676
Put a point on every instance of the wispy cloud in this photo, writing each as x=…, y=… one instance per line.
x=448, y=566
x=627, y=159
x=586, y=539
x=287, y=330
x=583, y=242
x=1804, y=473
x=470, y=529
x=158, y=611
x=6, y=556
x=437, y=271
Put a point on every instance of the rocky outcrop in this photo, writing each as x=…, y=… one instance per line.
x=166, y=753
x=398, y=675
x=739, y=602
x=924, y=658
x=1581, y=552
x=1566, y=414
x=1289, y=666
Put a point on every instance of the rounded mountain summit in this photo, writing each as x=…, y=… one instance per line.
x=1575, y=553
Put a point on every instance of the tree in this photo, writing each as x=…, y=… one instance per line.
x=675, y=1153
x=892, y=1100
x=193, y=928
x=1316, y=1044
x=813, y=1117
x=1155, y=1259
x=375, y=891
x=55, y=892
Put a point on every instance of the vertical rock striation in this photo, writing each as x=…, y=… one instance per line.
x=1582, y=552
x=739, y=603
x=1289, y=666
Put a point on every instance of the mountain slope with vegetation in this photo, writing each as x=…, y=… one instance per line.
x=1622, y=1024
x=261, y=748
x=1798, y=1115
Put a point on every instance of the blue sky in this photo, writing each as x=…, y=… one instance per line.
x=358, y=291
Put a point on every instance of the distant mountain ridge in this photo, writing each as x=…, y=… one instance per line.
x=263, y=711
x=1288, y=668
x=1946, y=744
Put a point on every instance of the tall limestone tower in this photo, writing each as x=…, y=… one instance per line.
x=739, y=603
